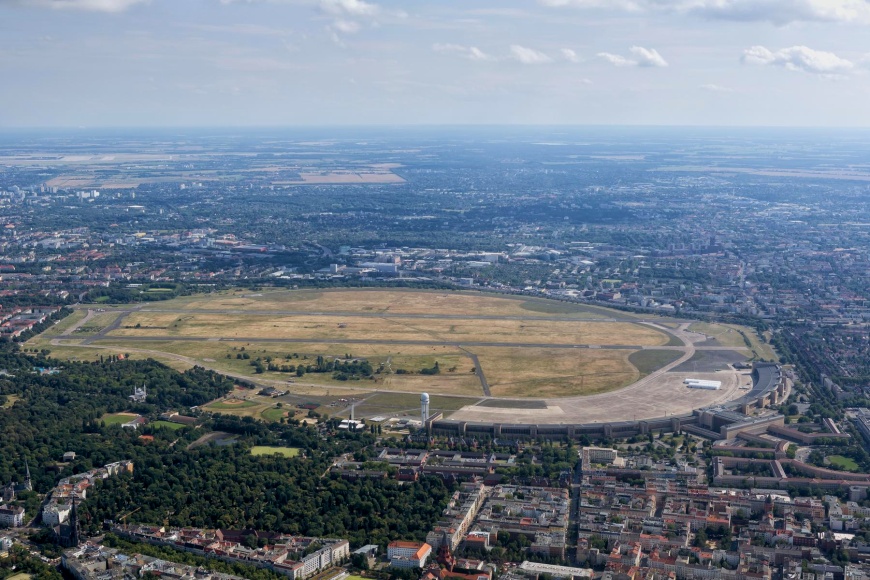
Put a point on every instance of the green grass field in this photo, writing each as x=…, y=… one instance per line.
x=173, y=426
x=736, y=336
x=845, y=462
x=117, y=418
x=230, y=404
x=284, y=451
x=648, y=361
x=276, y=413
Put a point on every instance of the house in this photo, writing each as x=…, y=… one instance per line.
x=69, y=456
x=11, y=516
x=408, y=554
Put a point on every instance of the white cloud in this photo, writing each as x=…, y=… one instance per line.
x=648, y=57
x=349, y=7
x=615, y=59
x=798, y=58
x=345, y=11
x=631, y=5
x=775, y=11
x=642, y=57
x=87, y=5
x=569, y=55
x=469, y=52
x=527, y=55
x=714, y=88
x=346, y=26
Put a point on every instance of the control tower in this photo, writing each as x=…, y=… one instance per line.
x=424, y=407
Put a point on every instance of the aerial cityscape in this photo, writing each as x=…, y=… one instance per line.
x=350, y=290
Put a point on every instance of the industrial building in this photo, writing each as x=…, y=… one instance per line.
x=703, y=384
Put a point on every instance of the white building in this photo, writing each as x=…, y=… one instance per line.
x=11, y=516
x=594, y=455
x=55, y=514
x=335, y=553
x=703, y=384
x=408, y=554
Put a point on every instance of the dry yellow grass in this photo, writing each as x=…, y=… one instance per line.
x=513, y=371
x=325, y=328
x=93, y=353
x=96, y=323
x=555, y=372
x=392, y=301
x=44, y=340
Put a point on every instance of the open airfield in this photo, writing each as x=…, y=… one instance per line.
x=563, y=362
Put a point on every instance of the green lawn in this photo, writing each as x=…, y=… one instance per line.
x=276, y=413
x=117, y=418
x=231, y=404
x=173, y=426
x=285, y=451
x=844, y=462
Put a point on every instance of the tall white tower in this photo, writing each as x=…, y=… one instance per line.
x=424, y=407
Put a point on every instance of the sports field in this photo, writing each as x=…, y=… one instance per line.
x=283, y=451
x=118, y=418
x=230, y=405
x=484, y=345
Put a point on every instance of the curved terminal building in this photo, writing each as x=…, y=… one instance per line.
x=769, y=387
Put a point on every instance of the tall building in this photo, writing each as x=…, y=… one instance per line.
x=424, y=407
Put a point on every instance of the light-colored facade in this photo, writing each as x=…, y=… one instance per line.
x=592, y=455
x=55, y=514
x=408, y=554
x=457, y=517
x=11, y=516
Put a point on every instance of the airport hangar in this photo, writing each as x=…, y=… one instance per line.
x=769, y=387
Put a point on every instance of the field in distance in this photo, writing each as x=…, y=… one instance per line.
x=483, y=344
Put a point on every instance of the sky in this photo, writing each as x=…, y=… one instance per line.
x=171, y=63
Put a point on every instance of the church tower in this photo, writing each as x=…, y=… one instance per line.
x=74, y=524
x=28, y=484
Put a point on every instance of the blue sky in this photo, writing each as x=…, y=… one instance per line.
x=96, y=63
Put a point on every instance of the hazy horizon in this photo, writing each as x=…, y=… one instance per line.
x=291, y=63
